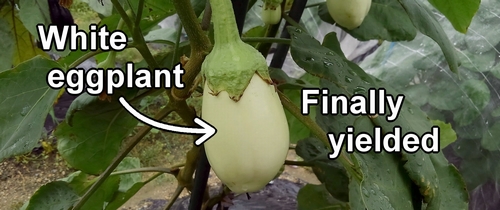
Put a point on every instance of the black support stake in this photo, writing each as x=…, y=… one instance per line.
x=200, y=181
x=282, y=49
x=240, y=12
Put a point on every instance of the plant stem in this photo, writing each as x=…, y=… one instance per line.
x=138, y=17
x=145, y=169
x=225, y=28
x=292, y=22
x=176, y=194
x=80, y=60
x=200, y=47
x=176, y=46
x=123, y=153
x=140, y=43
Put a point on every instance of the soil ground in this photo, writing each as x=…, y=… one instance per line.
x=21, y=176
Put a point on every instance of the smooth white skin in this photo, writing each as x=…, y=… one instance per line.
x=252, y=137
x=270, y=16
x=348, y=13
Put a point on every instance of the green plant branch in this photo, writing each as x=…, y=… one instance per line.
x=138, y=17
x=123, y=14
x=176, y=194
x=80, y=60
x=146, y=169
x=319, y=133
x=91, y=54
x=200, y=47
x=292, y=22
x=176, y=46
x=266, y=40
x=152, y=178
x=129, y=145
x=310, y=5
x=139, y=42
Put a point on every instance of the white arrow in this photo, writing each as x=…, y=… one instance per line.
x=206, y=129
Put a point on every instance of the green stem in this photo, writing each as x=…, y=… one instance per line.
x=176, y=194
x=292, y=22
x=200, y=47
x=137, y=36
x=145, y=169
x=138, y=17
x=225, y=28
x=123, y=14
x=112, y=53
x=266, y=40
x=80, y=60
x=176, y=46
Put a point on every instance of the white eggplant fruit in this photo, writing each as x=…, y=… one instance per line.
x=252, y=137
x=271, y=12
x=239, y=100
x=348, y=13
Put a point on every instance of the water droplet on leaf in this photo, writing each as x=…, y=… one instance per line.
x=359, y=90
x=25, y=111
x=309, y=59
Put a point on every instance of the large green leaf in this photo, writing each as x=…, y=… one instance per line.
x=24, y=46
x=459, y=13
x=105, y=8
x=93, y=131
x=54, y=195
x=315, y=197
x=329, y=172
x=490, y=140
x=446, y=133
x=6, y=46
x=476, y=98
x=452, y=192
x=34, y=12
x=385, y=184
x=104, y=194
x=423, y=19
x=154, y=12
x=386, y=20
x=333, y=67
x=25, y=100
x=130, y=184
